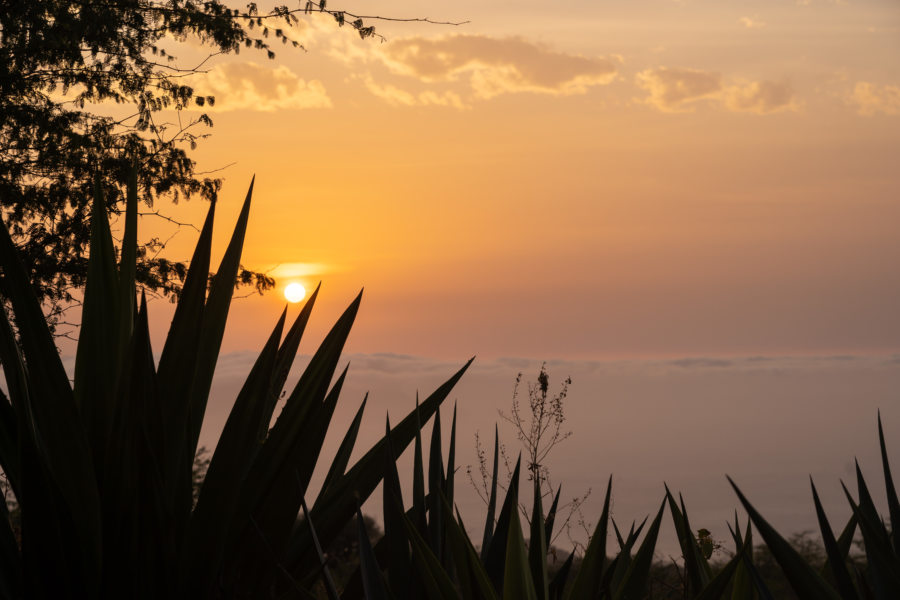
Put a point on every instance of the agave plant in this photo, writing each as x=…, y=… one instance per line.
x=101, y=467
x=426, y=551
x=432, y=537
x=841, y=579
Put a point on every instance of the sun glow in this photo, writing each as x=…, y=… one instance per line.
x=294, y=292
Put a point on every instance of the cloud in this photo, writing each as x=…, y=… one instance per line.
x=497, y=66
x=398, y=97
x=257, y=87
x=679, y=90
x=751, y=22
x=760, y=97
x=871, y=99
x=674, y=89
x=476, y=66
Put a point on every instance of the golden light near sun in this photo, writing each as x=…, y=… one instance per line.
x=294, y=292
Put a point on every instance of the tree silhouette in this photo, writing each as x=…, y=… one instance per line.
x=59, y=61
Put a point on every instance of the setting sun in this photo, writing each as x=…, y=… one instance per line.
x=294, y=292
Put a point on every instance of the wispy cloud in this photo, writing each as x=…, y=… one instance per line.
x=871, y=99
x=399, y=97
x=476, y=67
x=672, y=89
x=252, y=86
x=752, y=22
x=675, y=90
x=760, y=97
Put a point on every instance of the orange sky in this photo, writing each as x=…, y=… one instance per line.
x=576, y=180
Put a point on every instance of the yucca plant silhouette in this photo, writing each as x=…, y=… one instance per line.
x=876, y=576
x=101, y=467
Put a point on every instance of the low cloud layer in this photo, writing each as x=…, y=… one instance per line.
x=672, y=89
x=251, y=86
x=871, y=99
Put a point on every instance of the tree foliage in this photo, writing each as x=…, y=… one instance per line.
x=63, y=65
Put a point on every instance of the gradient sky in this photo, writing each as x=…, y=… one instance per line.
x=575, y=180
x=589, y=183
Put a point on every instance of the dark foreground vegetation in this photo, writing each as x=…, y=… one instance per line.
x=101, y=470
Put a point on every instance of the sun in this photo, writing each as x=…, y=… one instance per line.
x=294, y=292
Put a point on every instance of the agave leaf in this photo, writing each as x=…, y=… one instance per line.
x=517, y=582
x=868, y=515
x=893, y=502
x=342, y=457
x=624, y=559
x=331, y=507
x=304, y=401
x=451, y=461
x=435, y=486
x=136, y=516
x=420, y=506
x=327, y=580
x=717, y=586
x=635, y=580
x=10, y=559
x=695, y=563
x=353, y=587
x=18, y=450
x=228, y=468
x=61, y=450
x=12, y=410
x=307, y=453
x=802, y=577
x=373, y=584
x=398, y=547
x=748, y=583
x=587, y=581
x=9, y=441
x=742, y=586
x=280, y=472
x=551, y=517
x=704, y=568
x=176, y=370
x=845, y=540
x=98, y=352
x=48, y=376
x=619, y=538
x=286, y=354
x=537, y=544
x=127, y=266
x=177, y=360
x=495, y=564
x=492, y=502
x=883, y=569
x=836, y=561
x=437, y=584
x=473, y=579
x=558, y=584
x=212, y=328
x=45, y=526
x=275, y=504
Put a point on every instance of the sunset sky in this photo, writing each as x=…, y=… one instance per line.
x=593, y=184
x=577, y=180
